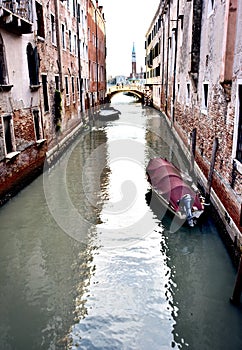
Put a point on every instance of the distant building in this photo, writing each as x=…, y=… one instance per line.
x=134, y=76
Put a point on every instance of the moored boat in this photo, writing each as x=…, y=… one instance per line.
x=169, y=186
x=108, y=114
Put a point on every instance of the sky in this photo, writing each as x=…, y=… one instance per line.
x=127, y=22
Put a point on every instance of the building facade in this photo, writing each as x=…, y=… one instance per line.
x=22, y=137
x=193, y=68
x=44, y=82
x=96, y=54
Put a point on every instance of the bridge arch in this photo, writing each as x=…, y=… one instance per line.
x=134, y=90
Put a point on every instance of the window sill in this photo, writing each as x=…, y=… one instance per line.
x=238, y=166
x=11, y=155
x=5, y=87
x=34, y=87
x=41, y=39
x=204, y=111
x=40, y=142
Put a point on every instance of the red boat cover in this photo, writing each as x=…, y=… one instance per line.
x=167, y=180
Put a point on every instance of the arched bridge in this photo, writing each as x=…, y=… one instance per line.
x=132, y=89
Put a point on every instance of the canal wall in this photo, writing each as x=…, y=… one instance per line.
x=229, y=231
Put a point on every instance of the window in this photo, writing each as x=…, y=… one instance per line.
x=178, y=92
x=239, y=125
x=70, y=41
x=82, y=18
x=78, y=88
x=33, y=64
x=57, y=82
x=40, y=20
x=37, y=125
x=73, y=89
x=188, y=93
x=78, y=13
x=74, y=8
x=205, y=97
x=53, y=30
x=45, y=93
x=181, y=17
x=67, y=91
x=63, y=40
x=8, y=133
x=75, y=44
x=210, y=7
x=3, y=64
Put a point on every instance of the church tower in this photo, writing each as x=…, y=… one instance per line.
x=133, y=62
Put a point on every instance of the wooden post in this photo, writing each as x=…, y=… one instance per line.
x=193, y=147
x=235, y=299
x=210, y=175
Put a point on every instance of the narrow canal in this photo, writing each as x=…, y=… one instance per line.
x=85, y=263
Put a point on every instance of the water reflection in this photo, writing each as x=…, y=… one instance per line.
x=129, y=303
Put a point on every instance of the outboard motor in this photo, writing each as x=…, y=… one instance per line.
x=186, y=206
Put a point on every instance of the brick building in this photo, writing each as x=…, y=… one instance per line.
x=44, y=79
x=193, y=68
x=22, y=138
x=96, y=53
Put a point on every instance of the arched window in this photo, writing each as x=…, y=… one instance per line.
x=3, y=64
x=33, y=64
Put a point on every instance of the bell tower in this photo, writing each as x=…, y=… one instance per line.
x=133, y=62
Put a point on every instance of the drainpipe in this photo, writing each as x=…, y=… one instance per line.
x=167, y=57
x=211, y=170
x=163, y=51
x=58, y=42
x=174, y=69
x=79, y=53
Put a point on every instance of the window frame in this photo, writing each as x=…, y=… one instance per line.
x=237, y=122
x=67, y=92
x=188, y=93
x=53, y=29
x=205, y=99
x=45, y=92
x=11, y=135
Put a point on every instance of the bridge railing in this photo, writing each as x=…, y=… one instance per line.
x=125, y=87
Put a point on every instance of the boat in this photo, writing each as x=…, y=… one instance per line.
x=109, y=113
x=172, y=189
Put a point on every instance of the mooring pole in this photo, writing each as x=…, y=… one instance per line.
x=193, y=148
x=212, y=164
x=235, y=299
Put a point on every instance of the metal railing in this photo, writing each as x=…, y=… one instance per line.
x=21, y=8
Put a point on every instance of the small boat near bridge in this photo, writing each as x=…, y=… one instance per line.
x=108, y=113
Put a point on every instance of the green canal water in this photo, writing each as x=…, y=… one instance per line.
x=85, y=263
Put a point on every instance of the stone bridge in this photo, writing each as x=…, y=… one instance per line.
x=136, y=90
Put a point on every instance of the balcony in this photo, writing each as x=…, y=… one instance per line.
x=16, y=16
